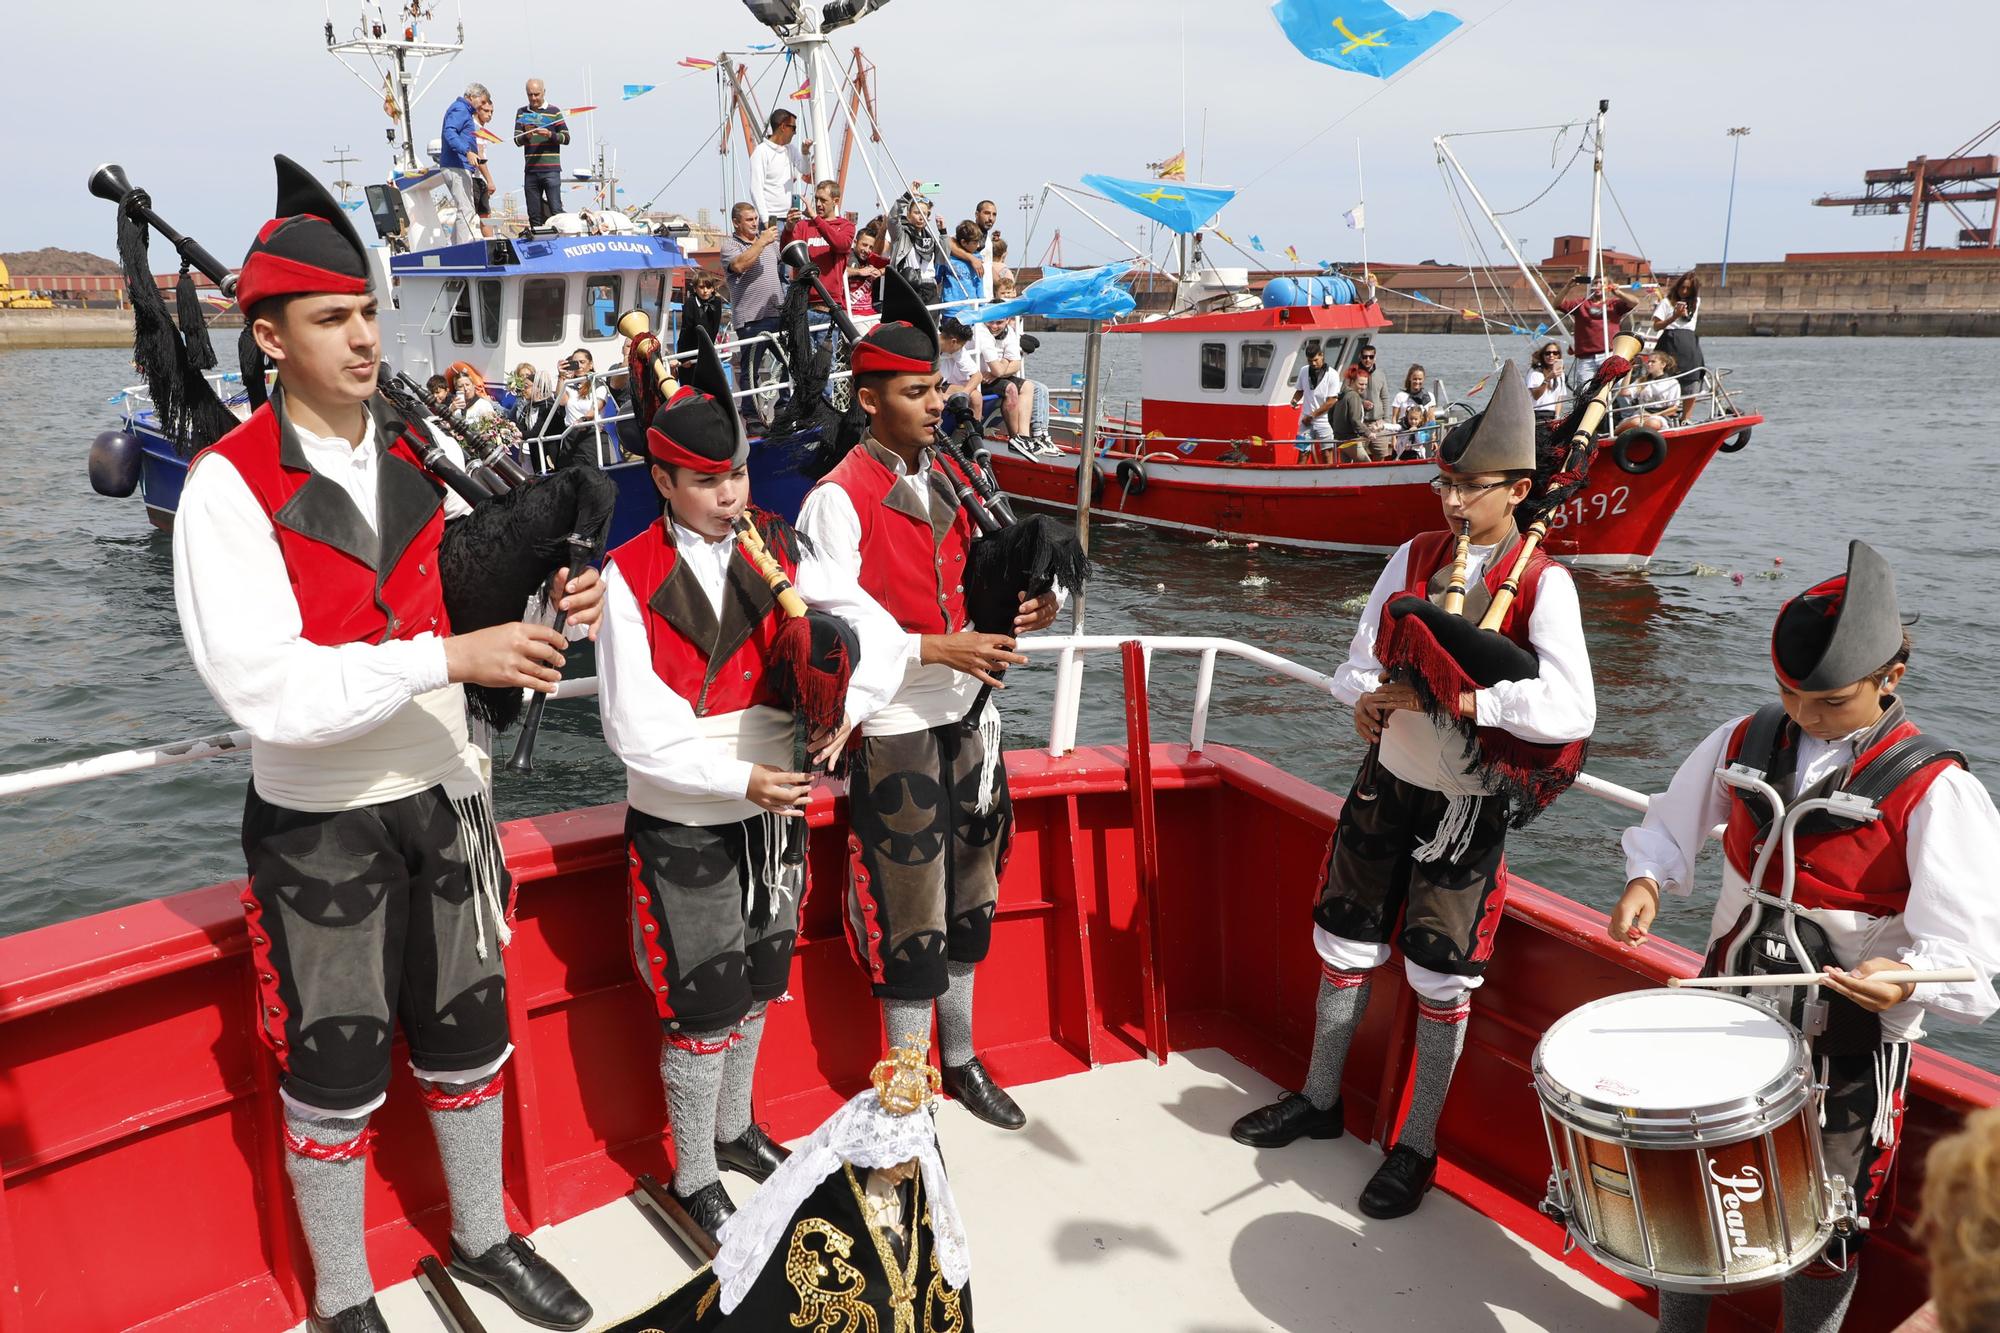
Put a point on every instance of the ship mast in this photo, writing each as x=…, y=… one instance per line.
x=392, y=40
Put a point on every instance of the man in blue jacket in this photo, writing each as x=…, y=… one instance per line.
x=459, y=146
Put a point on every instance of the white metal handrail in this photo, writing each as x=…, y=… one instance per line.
x=1069, y=648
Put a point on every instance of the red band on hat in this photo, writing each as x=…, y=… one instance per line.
x=1834, y=593
x=667, y=453
x=265, y=275
x=870, y=357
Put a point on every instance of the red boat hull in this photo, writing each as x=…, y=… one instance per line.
x=1616, y=522
x=144, y=1182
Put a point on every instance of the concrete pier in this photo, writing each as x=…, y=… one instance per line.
x=22, y=329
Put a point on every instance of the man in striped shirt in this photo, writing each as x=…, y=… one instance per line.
x=540, y=132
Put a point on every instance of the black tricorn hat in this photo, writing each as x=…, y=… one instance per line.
x=699, y=427
x=906, y=341
x=309, y=246
x=1842, y=630
x=1500, y=439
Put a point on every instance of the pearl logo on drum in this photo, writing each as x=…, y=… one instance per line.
x=1730, y=1194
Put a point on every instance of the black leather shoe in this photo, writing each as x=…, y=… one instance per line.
x=971, y=1086
x=753, y=1152
x=1399, y=1184
x=363, y=1318
x=529, y=1284
x=1285, y=1120
x=697, y=1217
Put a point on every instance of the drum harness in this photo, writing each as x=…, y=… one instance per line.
x=1855, y=802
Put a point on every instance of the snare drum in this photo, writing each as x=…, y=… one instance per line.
x=1684, y=1131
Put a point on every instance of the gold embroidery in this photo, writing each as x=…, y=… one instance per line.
x=902, y=1281
x=837, y=1308
x=939, y=1294
x=707, y=1299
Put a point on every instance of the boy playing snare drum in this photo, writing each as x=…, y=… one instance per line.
x=1905, y=890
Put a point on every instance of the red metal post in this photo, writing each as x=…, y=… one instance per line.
x=1145, y=847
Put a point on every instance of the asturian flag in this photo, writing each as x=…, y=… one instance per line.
x=1363, y=36
x=1185, y=208
x=633, y=90
x=1356, y=219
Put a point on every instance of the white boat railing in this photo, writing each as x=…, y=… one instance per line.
x=1070, y=651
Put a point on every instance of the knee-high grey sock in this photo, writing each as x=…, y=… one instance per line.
x=328, y=1192
x=1440, y=1038
x=468, y=1128
x=1815, y=1304
x=903, y=1019
x=691, y=1067
x=739, y=1070
x=1683, y=1312
x=954, y=1011
x=1343, y=997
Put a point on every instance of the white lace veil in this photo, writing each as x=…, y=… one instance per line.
x=862, y=1133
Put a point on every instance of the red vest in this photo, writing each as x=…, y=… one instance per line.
x=1434, y=550
x=1848, y=867
x=352, y=585
x=914, y=568
x=719, y=666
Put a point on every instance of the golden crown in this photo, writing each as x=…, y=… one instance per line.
x=906, y=1081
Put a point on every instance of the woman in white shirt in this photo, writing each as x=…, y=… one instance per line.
x=1547, y=387
x=1675, y=318
x=1412, y=411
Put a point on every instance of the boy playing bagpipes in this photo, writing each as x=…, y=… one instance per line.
x=720, y=692
x=1906, y=889
x=928, y=803
x=306, y=574
x=1418, y=859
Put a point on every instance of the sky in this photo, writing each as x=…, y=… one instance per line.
x=994, y=98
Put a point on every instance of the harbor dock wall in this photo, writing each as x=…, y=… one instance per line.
x=23, y=329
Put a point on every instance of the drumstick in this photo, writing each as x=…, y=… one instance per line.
x=1808, y=978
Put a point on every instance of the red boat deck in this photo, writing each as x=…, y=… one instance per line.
x=1147, y=906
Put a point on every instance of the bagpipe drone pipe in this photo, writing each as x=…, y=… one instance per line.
x=494, y=560
x=813, y=655
x=1443, y=656
x=838, y=421
x=170, y=359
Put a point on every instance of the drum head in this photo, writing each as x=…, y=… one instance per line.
x=1668, y=1050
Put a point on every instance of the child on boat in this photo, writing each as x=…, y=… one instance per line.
x=1903, y=890
x=928, y=806
x=691, y=702
x=1421, y=862
x=306, y=574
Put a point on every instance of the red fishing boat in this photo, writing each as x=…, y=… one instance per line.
x=1152, y=976
x=1212, y=449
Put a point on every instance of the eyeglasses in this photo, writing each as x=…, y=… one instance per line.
x=1464, y=490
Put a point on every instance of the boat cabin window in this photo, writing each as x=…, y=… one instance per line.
x=600, y=305
x=1256, y=365
x=489, y=311
x=542, y=310
x=461, y=313
x=653, y=296
x=1214, y=365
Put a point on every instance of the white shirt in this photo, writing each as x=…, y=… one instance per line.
x=695, y=770
x=993, y=348
x=774, y=169
x=959, y=367
x=241, y=621
x=580, y=407
x=1953, y=917
x=930, y=696
x=1548, y=391
x=1557, y=706
x=1662, y=392
x=1313, y=399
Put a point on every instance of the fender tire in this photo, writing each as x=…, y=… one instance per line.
x=1736, y=443
x=1132, y=476
x=1648, y=445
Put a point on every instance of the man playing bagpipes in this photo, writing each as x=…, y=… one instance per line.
x=306, y=573
x=1905, y=890
x=1418, y=859
x=928, y=805
x=720, y=692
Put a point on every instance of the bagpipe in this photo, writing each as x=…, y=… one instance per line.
x=812, y=657
x=840, y=423
x=521, y=530
x=171, y=352
x=1443, y=656
x=652, y=381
